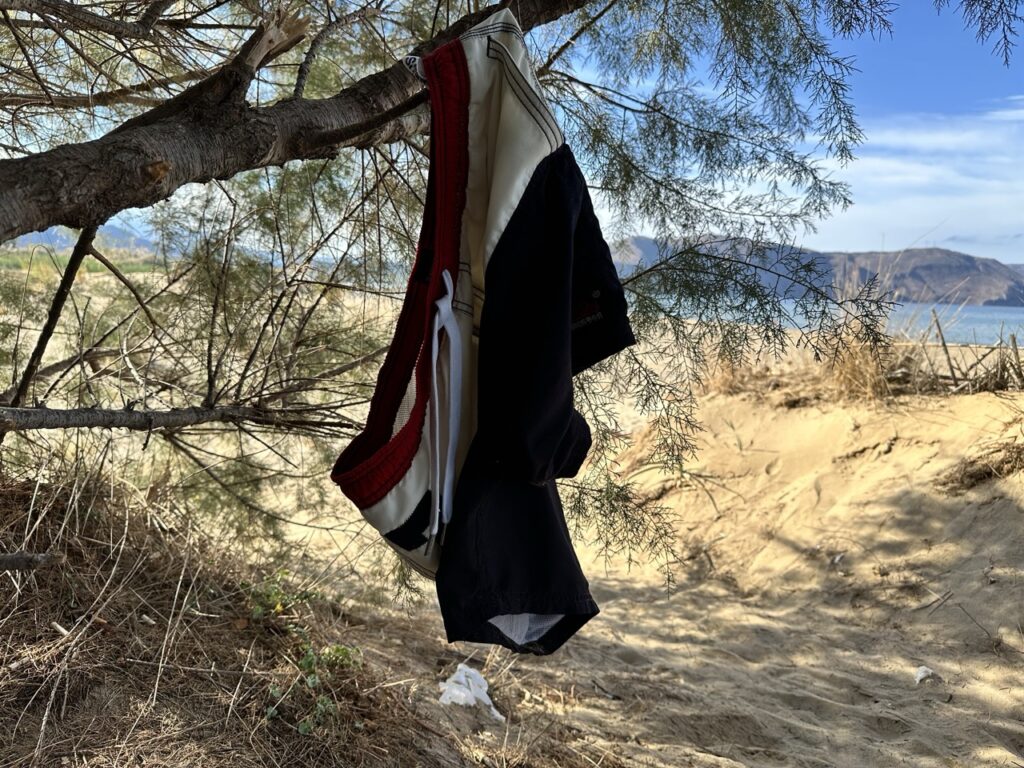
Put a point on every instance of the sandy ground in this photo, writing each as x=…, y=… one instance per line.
x=822, y=567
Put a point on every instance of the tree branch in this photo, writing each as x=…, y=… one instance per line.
x=128, y=94
x=86, y=356
x=153, y=13
x=574, y=38
x=302, y=385
x=53, y=316
x=149, y=158
x=112, y=268
x=224, y=91
x=22, y=419
x=26, y=55
x=321, y=38
x=75, y=17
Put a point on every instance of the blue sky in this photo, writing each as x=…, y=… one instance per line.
x=943, y=163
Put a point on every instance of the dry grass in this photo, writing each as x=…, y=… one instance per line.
x=914, y=367
x=995, y=462
x=146, y=648
x=906, y=367
x=149, y=645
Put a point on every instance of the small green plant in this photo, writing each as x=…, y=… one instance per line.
x=332, y=658
x=307, y=697
x=273, y=597
x=340, y=656
x=323, y=710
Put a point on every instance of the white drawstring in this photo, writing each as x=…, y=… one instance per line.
x=443, y=481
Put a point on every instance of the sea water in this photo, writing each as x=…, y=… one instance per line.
x=961, y=323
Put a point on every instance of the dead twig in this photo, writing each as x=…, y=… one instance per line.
x=942, y=339
x=29, y=561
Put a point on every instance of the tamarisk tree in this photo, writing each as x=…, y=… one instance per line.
x=279, y=155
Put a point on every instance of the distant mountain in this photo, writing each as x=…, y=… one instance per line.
x=923, y=275
x=109, y=236
x=934, y=276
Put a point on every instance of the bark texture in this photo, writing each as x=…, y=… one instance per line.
x=74, y=16
x=20, y=419
x=209, y=132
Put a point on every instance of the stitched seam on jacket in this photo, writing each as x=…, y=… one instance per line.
x=500, y=27
x=528, y=97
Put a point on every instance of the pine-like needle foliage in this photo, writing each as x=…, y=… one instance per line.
x=702, y=122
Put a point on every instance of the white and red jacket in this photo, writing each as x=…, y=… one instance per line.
x=472, y=420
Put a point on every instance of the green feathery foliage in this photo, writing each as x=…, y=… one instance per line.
x=706, y=122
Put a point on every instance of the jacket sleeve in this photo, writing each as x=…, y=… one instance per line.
x=600, y=324
x=525, y=411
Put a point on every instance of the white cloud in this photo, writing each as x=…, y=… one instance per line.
x=955, y=181
x=1011, y=115
x=931, y=134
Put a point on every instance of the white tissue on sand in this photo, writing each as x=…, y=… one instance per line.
x=467, y=687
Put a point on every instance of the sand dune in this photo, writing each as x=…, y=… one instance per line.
x=824, y=570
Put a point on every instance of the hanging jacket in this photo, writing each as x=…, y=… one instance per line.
x=472, y=421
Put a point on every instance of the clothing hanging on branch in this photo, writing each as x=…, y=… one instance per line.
x=472, y=420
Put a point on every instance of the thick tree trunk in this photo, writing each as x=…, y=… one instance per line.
x=200, y=139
